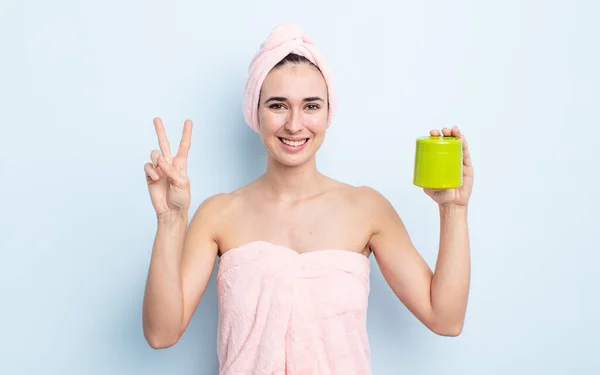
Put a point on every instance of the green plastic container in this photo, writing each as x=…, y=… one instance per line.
x=438, y=162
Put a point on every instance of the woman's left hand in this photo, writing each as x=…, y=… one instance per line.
x=458, y=196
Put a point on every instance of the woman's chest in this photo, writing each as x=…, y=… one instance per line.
x=304, y=228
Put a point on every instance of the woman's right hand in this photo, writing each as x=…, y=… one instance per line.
x=166, y=175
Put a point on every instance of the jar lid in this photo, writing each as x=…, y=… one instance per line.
x=438, y=143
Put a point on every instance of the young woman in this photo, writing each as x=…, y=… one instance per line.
x=294, y=245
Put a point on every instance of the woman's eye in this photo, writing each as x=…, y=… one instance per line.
x=278, y=106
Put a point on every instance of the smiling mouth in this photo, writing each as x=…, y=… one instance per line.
x=291, y=143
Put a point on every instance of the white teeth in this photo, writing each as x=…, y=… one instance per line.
x=293, y=143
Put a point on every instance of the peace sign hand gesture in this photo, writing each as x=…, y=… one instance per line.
x=166, y=176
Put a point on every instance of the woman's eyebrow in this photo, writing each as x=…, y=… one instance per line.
x=283, y=99
x=313, y=99
x=276, y=99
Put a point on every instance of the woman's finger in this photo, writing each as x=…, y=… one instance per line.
x=186, y=140
x=446, y=132
x=154, y=155
x=466, y=152
x=151, y=173
x=455, y=131
x=163, y=141
x=434, y=132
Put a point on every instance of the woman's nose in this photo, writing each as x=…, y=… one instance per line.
x=294, y=122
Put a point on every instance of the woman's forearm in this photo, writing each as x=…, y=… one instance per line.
x=451, y=279
x=163, y=298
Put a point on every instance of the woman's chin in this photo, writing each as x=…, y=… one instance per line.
x=292, y=160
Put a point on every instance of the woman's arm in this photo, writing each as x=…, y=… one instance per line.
x=180, y=267
x=451, y=280
x=437, y=299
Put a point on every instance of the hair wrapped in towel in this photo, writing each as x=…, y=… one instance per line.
x=284, y=39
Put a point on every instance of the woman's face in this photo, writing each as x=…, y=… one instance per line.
x=293, y=113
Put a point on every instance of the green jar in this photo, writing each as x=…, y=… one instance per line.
x=438, y=162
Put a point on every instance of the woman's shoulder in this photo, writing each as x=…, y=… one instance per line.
x=363, y=197
x=223, y=203
x=358, y=193
x=219, y=203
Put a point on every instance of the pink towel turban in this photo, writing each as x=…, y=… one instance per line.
x=284, y=39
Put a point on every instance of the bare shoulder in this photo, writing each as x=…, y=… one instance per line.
x=215, y=215
x=212, y=212
x=367, y=199
x=368, y=204
x=219, y=205
x=214, y=205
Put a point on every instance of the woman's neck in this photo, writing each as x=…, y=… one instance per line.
x=292, y=183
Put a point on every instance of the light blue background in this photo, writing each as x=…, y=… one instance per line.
x=80, y=82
